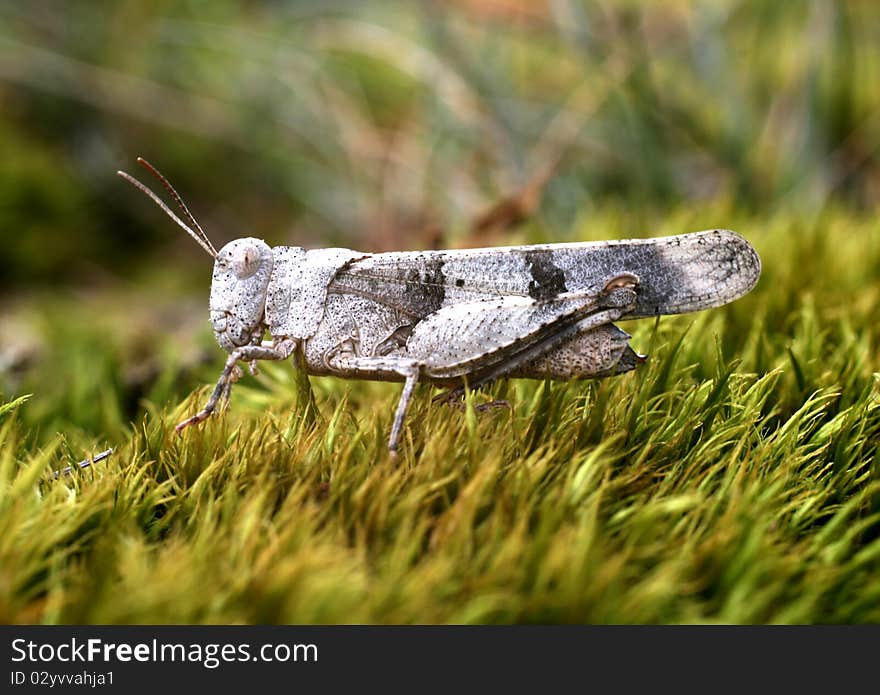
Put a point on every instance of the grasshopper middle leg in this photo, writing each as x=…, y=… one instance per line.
x=404, y=367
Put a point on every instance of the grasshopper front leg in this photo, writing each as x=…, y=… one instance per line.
x=249, y=353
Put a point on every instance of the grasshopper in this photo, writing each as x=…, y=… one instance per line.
x=455, y=318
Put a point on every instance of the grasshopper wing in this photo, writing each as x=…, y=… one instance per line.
x=678, y=274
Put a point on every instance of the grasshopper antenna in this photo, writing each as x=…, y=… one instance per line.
x=177, y=199
x=200, y=237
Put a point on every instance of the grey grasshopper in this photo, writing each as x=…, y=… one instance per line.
x=460, y=317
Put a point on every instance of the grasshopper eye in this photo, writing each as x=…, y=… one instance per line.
x=245, y=260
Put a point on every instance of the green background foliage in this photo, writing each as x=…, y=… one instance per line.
x=733, y=478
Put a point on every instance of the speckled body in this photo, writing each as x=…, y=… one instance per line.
x=458, y=318
x=465, y=316
x=435, y=306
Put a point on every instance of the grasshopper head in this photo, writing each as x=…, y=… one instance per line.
x=242, y=270
x=238, y=292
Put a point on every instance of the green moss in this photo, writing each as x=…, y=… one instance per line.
x=734, y=478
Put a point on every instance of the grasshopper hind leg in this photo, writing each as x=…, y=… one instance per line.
x=481, y=341
x=588, y=349
x=592, y=353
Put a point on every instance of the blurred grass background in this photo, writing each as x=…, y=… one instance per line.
x=734, y=480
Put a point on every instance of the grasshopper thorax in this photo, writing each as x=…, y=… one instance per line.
x=238, y=292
